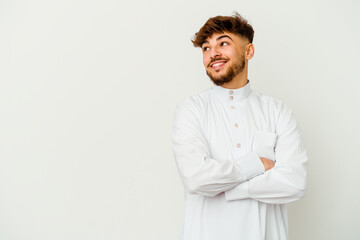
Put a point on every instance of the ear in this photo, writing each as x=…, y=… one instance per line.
x=250, y=50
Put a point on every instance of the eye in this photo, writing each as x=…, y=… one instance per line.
x=205, y=49
x=224, y=44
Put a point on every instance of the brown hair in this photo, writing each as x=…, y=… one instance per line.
x=219, y=24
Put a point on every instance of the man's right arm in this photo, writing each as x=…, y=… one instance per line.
x=199, y=172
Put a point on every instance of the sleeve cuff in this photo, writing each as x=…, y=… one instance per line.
x=250, y=165
x=241, y=191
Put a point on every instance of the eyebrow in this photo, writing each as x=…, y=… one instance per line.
x=217, y=39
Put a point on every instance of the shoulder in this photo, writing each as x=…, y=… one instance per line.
x=280, y=113
x=195, y=103
x=189, y=111
x=270, y=102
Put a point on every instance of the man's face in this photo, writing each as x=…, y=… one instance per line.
x=224, y=56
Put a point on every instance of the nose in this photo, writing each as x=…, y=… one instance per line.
x=214, y=52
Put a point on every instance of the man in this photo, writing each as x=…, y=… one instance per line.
x=239, y=153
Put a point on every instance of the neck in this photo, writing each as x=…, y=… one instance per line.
x=238, y=81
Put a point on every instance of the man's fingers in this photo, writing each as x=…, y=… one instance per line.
x=268, y=164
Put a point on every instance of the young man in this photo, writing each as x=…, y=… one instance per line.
x=239, y=153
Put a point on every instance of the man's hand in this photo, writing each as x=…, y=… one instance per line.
x=268, y=164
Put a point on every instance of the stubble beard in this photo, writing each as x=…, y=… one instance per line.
x=232, y=72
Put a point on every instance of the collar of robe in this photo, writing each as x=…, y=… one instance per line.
x=232, y=94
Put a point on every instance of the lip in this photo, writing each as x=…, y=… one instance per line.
x=219, y=64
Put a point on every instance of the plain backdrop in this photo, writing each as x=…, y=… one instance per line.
x=87, y=95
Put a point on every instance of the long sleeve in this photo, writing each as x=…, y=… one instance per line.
x=286, y=182
x=199, y=172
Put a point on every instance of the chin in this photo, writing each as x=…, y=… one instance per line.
x=218, y=74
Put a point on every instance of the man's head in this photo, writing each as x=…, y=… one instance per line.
x=226, y=43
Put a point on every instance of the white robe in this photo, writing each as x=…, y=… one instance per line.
x=218, y=137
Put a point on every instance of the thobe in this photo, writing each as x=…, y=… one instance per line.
x=218, y=137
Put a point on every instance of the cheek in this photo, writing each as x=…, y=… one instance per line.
x=206, y=60
x=241, y=55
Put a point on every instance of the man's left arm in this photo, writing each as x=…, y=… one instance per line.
x=286, y=181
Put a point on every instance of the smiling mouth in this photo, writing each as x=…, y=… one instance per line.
x=216, y=65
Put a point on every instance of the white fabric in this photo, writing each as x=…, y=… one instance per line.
x=218, y=137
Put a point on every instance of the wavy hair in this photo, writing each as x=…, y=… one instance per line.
x=233, y=24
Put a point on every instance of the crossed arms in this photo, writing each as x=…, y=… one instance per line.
x=251, y=176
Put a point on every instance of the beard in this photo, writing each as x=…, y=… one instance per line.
x=232, y=71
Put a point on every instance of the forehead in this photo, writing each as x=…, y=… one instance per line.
x=221, y=36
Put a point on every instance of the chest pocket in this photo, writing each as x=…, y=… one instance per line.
x=264, y=144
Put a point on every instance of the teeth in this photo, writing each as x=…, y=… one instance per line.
x=217, y=64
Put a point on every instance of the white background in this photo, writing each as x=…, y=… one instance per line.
x=87, y=96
